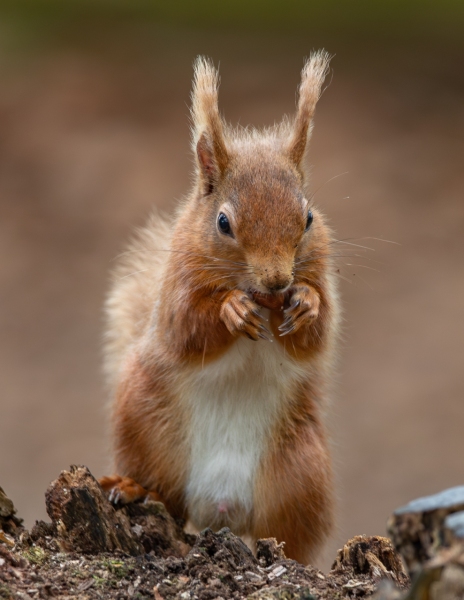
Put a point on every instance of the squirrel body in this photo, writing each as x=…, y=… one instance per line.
x=222, y=327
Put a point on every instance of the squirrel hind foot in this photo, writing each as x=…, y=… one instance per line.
x=124, y=490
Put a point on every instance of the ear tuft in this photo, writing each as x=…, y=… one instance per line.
x=208, y=130
x=312, y=78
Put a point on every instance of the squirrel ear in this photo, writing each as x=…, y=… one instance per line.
x=208, y=130
x=312, y=78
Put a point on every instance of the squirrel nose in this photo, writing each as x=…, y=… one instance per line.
x=277, y=283
x=277, y=287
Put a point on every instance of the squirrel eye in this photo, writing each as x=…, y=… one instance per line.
x=309, y=220
x=223, y=223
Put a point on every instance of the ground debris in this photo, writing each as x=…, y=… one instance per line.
x=92, y=550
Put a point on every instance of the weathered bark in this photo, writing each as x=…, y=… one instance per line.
x=10, y=525
x=374, y=556
x=268, y=551
x=417, y=529
x=84, y=519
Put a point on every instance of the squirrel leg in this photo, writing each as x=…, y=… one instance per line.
x=149, y=439
x=123, y=490
x=294, y=495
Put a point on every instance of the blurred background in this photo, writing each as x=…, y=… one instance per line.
x=94, y=131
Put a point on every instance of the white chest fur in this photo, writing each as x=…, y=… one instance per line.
x=234, y=402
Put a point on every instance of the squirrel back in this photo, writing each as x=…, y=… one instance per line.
x=136, y=282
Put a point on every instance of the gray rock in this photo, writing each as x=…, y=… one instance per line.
x=448, y=499
x=454, y=524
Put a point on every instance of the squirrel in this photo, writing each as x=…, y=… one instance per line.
x=221, y=336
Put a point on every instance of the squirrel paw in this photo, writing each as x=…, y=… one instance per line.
x=303, y=309
x=123, y=490
x=241, y=315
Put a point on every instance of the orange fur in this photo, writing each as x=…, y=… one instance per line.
x=186, y=293
x=294, y=487
x=150, y=433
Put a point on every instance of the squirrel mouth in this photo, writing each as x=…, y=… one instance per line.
x=271, y=300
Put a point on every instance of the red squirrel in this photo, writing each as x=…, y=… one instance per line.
x=222, y=326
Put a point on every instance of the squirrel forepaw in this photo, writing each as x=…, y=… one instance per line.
x=241, y=316
x=303, y=309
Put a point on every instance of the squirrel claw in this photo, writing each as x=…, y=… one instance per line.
x=286, y=331
x=264, y=337
x=285, y=323
x=294, y=305
x=265, y=330
x=114, y=496
x=250, y=337
x=264, y=333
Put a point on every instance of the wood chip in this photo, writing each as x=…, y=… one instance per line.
x=352, y=584
x=277, y=572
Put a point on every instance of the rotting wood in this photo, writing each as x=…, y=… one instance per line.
x=417, y=529
x=93, y=550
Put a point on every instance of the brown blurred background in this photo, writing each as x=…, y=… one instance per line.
x=94, y=131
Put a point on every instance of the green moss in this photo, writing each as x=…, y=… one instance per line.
x=78, y=574
x=100, y=582
x=118, y=568
x=36, y=555
x=5, y=591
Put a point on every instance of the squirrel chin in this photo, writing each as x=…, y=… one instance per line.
x=271, y=301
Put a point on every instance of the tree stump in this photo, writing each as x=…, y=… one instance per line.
x=417, y=529
x=85, y=520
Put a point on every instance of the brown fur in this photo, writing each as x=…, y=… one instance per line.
x=185, y=292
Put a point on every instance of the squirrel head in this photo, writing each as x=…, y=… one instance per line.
x=250, y=204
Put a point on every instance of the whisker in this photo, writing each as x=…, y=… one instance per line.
x=352, y=244
x=215, y=267
x=381, y=240
x=328, y=256
x=333, y=242
x=134, y=273
x=186, y=252
x=209, y=282
x=309, y=280
x=362, y=266
x=340, y=276
x=364, y=281
x=369, y=258
x=349, y=242
x=311, y=197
